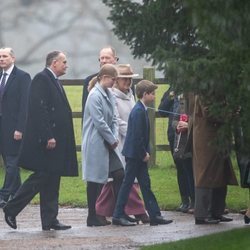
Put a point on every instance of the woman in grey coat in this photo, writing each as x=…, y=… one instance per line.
x=100, y=155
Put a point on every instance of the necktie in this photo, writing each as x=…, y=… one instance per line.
x=59, y=84
x=2, y=85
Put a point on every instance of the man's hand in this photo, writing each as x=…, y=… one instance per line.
x=146, y=158
x=18, y=135
x=51, y=144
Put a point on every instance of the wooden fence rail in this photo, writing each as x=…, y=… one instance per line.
x=148, y=74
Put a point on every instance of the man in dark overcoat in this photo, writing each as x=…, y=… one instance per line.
x=48, y=146
x=14, y=84
x=106, y=55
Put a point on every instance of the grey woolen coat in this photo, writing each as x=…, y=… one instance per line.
x=100, y=129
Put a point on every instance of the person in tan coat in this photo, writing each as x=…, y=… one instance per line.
x=212, y=167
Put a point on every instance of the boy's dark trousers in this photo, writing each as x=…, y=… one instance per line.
x=136, y=168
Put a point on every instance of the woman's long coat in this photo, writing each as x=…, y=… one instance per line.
x=49, y=116
x=124, y=104
x=212, y=168
x=100, y=130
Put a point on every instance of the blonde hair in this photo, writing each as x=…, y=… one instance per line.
x=107, y=70
x=92, y=83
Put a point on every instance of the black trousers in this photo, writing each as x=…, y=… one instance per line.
x=47, y=186
x=139, y=169
x=12, y=180
x=185, y=178
x=210, y=202
x=94, y=189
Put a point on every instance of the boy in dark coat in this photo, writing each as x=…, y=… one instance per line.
x=136, y=152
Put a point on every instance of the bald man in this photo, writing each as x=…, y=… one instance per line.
x=106, y=55
x=14, y=84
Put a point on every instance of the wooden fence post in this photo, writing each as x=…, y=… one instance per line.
x=149, y=74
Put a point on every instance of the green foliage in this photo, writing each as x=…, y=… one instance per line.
x=230, y=240
x=202, y=46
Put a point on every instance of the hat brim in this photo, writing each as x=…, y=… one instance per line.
x=127, y=76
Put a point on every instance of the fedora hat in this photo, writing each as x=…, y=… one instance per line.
x=125, y=71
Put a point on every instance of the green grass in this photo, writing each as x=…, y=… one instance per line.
x=233, y=240
x=163, y=175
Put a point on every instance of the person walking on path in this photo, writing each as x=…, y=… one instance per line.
x=125, y=101
x=106, y=55
x=14, y=85
x=137, y=154
x=48, y=147
x=101, y=157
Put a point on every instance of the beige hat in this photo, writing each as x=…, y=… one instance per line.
x=125, y=71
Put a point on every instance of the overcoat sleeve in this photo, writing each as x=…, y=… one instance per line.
x=40, y=104
x=25, y=82
x=96, y=111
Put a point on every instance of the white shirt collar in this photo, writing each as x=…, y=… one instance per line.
x=52, y=72
x=144, y=105
x=9, y=70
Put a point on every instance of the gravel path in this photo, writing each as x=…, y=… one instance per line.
x=30, y=236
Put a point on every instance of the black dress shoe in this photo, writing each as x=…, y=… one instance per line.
x=246, y=219
x=103, y=220
x=94, y=221
x=130, y=219
x=2, y=203
x=223, y=219
x=143, y=218
x=56, y=226
x=122, y=222
x=183, y=208
x=10, y=220
x=206, y=221
x=159, y=220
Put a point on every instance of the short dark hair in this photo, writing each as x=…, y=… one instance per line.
x=52, y=56
x=144, y=86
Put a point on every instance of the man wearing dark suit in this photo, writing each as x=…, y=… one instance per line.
x=48, y=146
x=14, y=84
x=106, y=55
x=136, y=152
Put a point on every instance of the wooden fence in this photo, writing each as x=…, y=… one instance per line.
x=148, y=74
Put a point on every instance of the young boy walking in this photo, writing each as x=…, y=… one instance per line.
x=136, y=152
